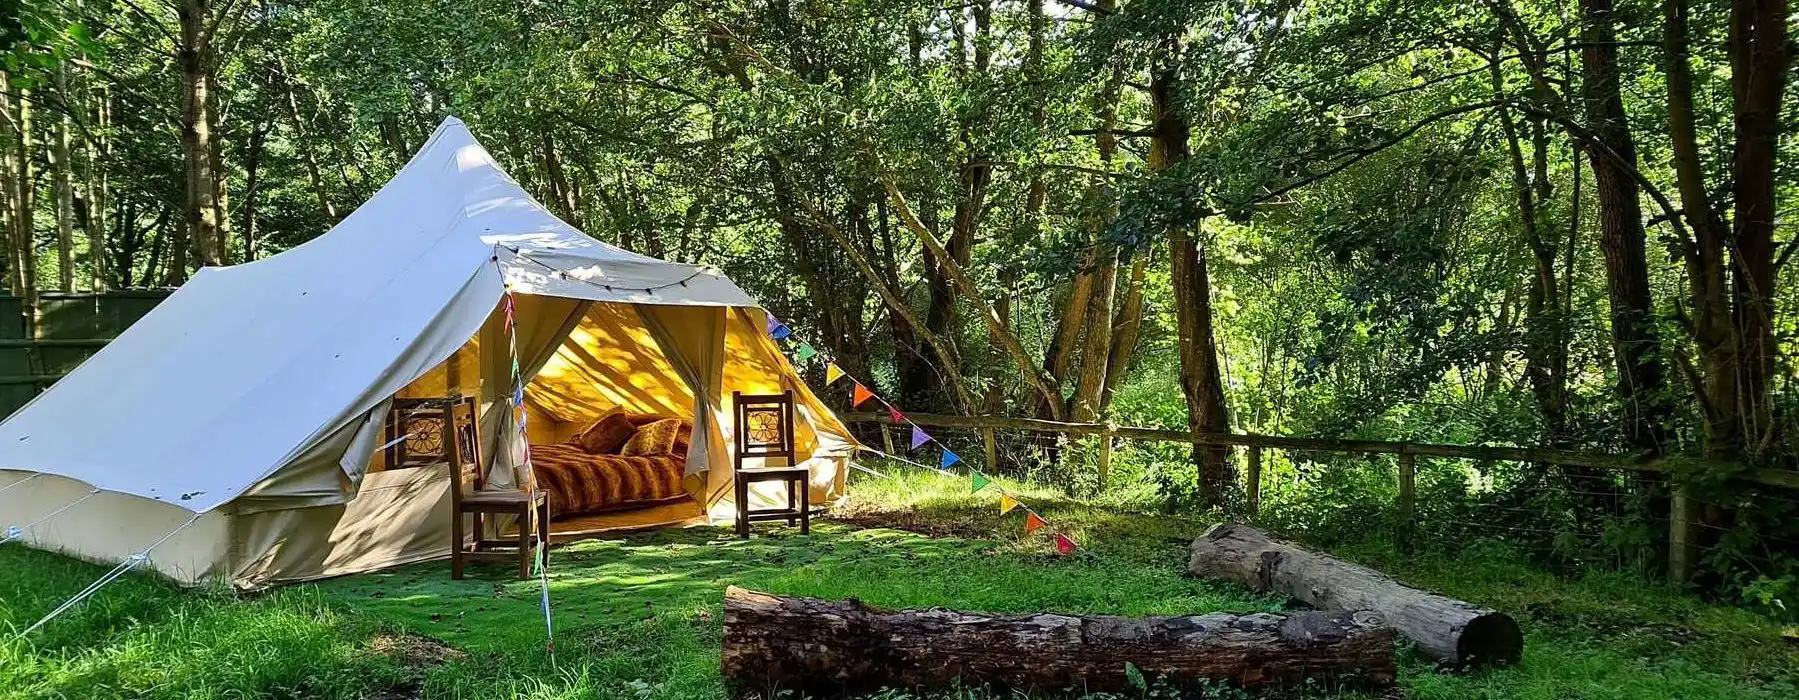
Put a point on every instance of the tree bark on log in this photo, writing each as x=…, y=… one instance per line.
x=1443, y=628
x=832, y=649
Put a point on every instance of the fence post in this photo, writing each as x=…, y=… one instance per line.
x=1682, y=548
x=1408, y=497
x=1105, y=458
x=887, y=438
x=1253, y=482
x=991, y=443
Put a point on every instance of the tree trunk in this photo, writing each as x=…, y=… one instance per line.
x=996, y=328
x=834, y=649
x=562, y=194
x=62, y=176
x=253, y=187
x=1096, y=346
x=194, y=55
x=307, y=157
x=1126, y=329
x=99, y=206
x=24, y=216
x=1759, y=65
x=1201, y=380
x=1442, y=627
x=8, y=211
x=1715, y=384
x=1636, y=347
x=1545, y=345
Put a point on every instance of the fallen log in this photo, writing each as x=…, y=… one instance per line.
x=1444, y=628
x=831, y=649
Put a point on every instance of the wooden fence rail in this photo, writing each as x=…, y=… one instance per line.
x=1682, y=541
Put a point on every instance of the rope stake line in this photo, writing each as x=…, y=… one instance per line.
x=9, y=487
x=15, y=532
x=130, y=563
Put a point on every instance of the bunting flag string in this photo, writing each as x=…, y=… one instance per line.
x=521, y=416
x=860, y=394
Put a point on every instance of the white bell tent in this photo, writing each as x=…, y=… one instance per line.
x=243, y=413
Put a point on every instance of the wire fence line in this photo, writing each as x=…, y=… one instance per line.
x=1581, y=506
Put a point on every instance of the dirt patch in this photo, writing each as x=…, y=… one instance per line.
x=415, y=651
x=914, y=521
x=418, y=654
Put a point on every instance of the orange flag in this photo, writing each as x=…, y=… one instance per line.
x=1006, y=504
x=1032, y=522
x=861, y=394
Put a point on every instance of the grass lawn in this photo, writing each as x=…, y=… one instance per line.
x=639, y=617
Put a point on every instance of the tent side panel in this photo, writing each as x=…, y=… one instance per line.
x=108, y=527
x=398, y=517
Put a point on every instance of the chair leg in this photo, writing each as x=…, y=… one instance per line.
x=743, y=508
x=792, y=505
x=456, y=544
x=525, y=526
x=805, y=508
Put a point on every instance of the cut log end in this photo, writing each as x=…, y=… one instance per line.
x=1491, y=638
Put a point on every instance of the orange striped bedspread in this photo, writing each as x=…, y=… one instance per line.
x=578, y=482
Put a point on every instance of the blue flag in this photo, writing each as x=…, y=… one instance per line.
x=949, y=460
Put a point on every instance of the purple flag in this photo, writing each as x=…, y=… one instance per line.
x=919, y=437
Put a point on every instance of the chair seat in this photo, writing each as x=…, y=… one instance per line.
x=502, y=497
x=773, y=473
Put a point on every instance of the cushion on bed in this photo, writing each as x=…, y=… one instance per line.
x=578, y=482
x=656, y=438
x=607, y=434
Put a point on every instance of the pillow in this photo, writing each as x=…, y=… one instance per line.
x=656, y=438
x=607, y=434
x=683, y=439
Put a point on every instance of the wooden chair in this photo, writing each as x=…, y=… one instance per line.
x=441, y=427
x=763, y=424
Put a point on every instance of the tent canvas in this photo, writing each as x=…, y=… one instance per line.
x=250, y=402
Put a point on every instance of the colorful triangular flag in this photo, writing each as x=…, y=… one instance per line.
x=1032, y=522
x=860, y=395
x=833, y=373
x=1063, y=544
x=894, y=415
x=780, y=332
x=1007, y=503
x=805, y=351
x=976, y=482
x=919, y=437
x=773, y=323
x=949, y=459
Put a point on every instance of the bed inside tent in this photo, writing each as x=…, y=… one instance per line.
x=597, y=364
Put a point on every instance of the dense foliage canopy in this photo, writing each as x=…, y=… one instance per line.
x=1512, y=221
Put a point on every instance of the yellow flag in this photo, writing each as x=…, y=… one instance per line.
x=1006, y=504
x=833, y=373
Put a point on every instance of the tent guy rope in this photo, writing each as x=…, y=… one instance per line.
x=21, y=482
x=110, y=576
x=18, y=532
